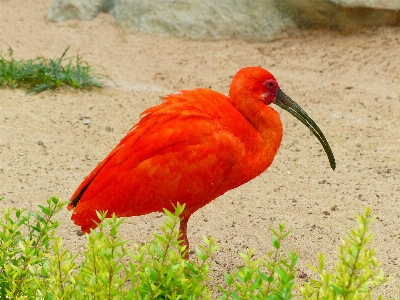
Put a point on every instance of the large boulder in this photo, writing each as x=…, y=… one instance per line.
x=256, y=20
x=345, y=15
x=205, y=19
x=377, y=4
x=62, y=10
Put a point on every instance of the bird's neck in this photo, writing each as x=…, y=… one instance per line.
x=266, y=138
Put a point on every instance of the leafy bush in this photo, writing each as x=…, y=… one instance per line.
x=41, y=74
x=24, y=243
x=357, y=270
x=30, y=268
x=264, y=279
x=34, y=265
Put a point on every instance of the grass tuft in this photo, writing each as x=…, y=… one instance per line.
x=40, y=74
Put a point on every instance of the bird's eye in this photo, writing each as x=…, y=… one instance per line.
x=269, y=84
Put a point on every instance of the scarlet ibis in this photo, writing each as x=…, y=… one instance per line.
x=192, y=148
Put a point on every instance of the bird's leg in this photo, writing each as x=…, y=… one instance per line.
x=183, y=236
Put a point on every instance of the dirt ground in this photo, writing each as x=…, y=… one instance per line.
x=349, y=84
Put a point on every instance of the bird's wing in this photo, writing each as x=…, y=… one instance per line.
x=180, y=151
x=186, y=105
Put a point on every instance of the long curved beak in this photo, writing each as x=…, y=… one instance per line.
x=285, y=102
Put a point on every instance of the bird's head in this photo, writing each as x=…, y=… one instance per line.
x=257, y=84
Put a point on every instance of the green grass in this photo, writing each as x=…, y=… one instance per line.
x=40, y=74
x=35, y=265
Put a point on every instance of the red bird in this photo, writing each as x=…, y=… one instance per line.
x=192, y=148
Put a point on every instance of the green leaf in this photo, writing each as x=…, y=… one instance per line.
x=275, y=242
x=264, y=276
x=235, y=297
x=228, y=279
x=200, y=254
x=337, y=289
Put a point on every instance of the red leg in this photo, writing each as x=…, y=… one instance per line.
x=183, y=230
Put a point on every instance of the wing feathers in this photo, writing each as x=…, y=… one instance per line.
x=179, y=151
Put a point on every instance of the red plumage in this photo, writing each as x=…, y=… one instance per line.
x=190, y=149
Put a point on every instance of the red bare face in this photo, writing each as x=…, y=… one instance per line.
x=272, y=87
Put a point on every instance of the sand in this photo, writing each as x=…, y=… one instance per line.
x=349, y=84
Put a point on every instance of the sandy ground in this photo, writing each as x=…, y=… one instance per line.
x=349, y=84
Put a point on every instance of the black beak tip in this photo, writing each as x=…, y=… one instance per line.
x=285, y=102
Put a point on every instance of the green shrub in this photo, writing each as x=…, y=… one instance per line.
x=31, y=269
x=41, y=74
x=357, y=271
x=24, y=243
x=264, y=279
x=34, y=265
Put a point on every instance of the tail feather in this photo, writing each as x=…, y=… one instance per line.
x=85, y=221
x=86, y=218
x=72, y=204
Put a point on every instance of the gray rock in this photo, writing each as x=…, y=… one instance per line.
x=203, y=19
x=62, y=10
x=256, y=20
x=378, y=4
x=344, y=15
